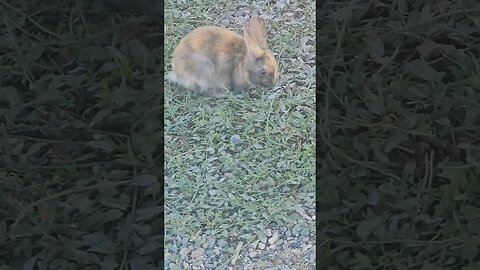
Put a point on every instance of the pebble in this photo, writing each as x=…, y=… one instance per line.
x=184, y=252
x=295, y=244
x=312, y=257
x=268, y=232
x=307, y=247
x=225, y=22
x=305, y=233
x=179, y=239
x=261, y=245
x=252, y=254
x=288, y=16
x=198, y=253
x=273, y=239
x=222, y=243
x=174, y=248
x=263, y=239
x=216, y=251
x=273, y=247
x=279, y=242
x=209, y=252
x=294, y=231
x=199, y=264
x=239, y=13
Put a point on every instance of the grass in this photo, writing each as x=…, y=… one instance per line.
x=217, y=189
x=398, y=126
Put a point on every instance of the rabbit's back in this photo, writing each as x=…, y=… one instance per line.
x=210, y=57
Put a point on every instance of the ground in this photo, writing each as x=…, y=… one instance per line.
x=240, y=169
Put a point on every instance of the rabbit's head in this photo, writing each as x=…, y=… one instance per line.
x=261, y=66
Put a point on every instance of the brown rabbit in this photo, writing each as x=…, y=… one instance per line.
x=210, y=59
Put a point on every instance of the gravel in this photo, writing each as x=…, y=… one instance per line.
x=289, y=246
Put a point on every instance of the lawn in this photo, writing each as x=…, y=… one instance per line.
x=240, y=166
x=399, y=128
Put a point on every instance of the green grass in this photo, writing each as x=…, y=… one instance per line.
x=399, y=126
x=219, y=189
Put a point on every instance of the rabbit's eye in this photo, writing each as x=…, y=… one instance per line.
x=263, y=71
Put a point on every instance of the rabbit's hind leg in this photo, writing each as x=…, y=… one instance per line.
x=197, y=72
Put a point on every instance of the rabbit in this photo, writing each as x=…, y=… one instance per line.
x=210, y=59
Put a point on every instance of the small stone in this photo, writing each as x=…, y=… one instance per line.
x=273, y=247
x=279, y=242
x=179, y=239
x=217, y=251
x=239, y=13
x=198, y=253
x=261, y=245
x=222, y=243
x=312, y=257
x=209, y=252
x=283, y=229
x=294, y=231
x=235, y=139
x=295, y=244
x=288, y=233
x=306, y=247
x=173, y=266
x=174, y=248
x=198, y=264
x=252, y=254
x=288, y=16
x=263, y=239
x=184, y=252
x=224, y=22
x=304, y=233
x=273, y=239
x=268, y=232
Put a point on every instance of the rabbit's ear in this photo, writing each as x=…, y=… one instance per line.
x=254, y=33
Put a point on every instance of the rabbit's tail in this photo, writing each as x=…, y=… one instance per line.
x=171, y=76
